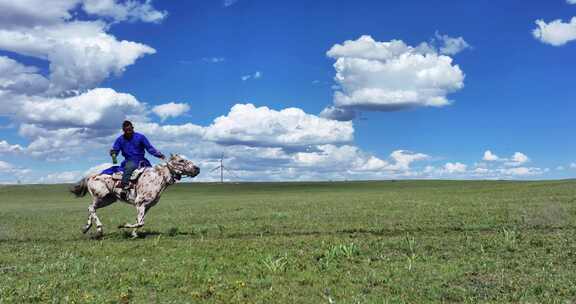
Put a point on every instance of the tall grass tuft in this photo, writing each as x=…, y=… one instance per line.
x=410, y=243
x=510, y=238
x=275, y=264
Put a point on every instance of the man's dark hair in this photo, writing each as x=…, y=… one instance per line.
x=127, y=123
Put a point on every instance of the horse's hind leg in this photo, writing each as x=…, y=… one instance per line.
x=93, y=217
x=89, y=224
x=101, y=197
x=99, y=231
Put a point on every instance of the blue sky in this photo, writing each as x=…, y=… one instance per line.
x=500, y=107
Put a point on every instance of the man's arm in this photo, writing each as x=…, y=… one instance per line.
x=116, y=147
x=150, y=148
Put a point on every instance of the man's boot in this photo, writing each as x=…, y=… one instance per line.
x=125, y=190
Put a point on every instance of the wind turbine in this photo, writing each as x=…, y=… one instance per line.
x=222, y=168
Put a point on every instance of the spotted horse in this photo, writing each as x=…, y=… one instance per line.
x=150, y=184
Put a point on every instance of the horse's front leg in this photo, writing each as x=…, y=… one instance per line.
x=141, y=214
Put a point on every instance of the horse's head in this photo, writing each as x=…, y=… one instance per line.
x=181, y=166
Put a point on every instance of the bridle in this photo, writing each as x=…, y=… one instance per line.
x=176, y=176
x=175, y=172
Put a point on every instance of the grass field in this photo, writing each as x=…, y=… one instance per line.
x=356, y=242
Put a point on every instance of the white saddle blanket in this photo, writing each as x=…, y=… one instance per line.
x=135, y=175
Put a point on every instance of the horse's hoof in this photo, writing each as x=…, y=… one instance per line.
x=85, y=229
x=121, y=226
x=98, y=235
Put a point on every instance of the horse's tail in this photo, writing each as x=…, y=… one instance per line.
x=80, y=188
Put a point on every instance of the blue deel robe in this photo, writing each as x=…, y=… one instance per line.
x=132, y=149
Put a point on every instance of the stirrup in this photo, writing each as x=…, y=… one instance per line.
x=124, y=194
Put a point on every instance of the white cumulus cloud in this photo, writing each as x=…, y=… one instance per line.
x=404, y=158
x=489, y=156
x=6, y=147
x=520, y=171
x=248, y=125
x=352, y=160
x=64, y=144
x=20, y=79
x=450, y=45
x=60, y=111
x=102, y=108
x=61, y=177
x=333, y=158
x=171, y=109
x=518, y=159
x=336, y=113
x=455, y=168
x=389, y=76
x=124, y=11
x=4, y=166
x=81, y=54
x=556, y=33
x=172, y=133
x=10, y=172
x=34, y=12
x=37, y=12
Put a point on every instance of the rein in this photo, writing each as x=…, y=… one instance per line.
x=175, y=175
x=175, y=172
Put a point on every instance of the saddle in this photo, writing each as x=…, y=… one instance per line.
x=117, y=177
x=133, y=178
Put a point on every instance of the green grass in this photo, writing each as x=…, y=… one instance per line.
x=356, y=242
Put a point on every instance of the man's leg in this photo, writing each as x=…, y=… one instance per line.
x=129, y=167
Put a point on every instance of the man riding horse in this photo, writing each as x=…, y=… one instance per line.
x=132, y=145
x=148, y=187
